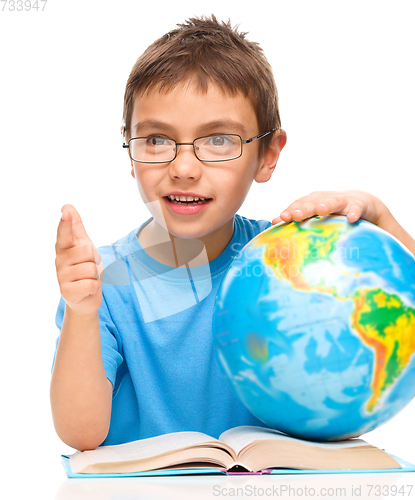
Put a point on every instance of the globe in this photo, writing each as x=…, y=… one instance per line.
x=314, y=327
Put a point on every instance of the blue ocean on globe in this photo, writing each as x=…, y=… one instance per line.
x=314, y=327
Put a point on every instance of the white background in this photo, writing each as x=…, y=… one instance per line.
x=346, y=83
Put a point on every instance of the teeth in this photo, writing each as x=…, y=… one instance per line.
x=185, y=198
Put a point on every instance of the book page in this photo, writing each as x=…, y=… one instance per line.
x=239, y=437
x=141, y=449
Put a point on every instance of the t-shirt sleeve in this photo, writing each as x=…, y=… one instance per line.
x=110, y=346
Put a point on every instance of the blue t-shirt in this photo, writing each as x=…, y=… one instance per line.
x=156, y=339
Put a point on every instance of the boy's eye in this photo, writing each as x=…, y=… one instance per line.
x=158, y=141
x=217, y=140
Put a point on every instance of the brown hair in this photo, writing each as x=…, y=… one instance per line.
x=206, y=51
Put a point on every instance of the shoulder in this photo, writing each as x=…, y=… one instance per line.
x=250, y=227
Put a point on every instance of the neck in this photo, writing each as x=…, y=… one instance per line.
x=177, y=252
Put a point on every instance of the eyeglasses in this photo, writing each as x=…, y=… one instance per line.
x=210, y=148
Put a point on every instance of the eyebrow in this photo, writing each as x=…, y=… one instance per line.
x=151, y=124
x=226, y=125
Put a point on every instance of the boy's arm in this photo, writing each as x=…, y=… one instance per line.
x=353, y=204
x=80, y=393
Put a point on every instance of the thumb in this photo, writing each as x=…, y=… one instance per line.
x=71, y=215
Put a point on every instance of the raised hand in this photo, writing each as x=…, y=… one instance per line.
x=78, y=265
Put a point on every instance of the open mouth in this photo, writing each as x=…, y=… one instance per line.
x=186, y=201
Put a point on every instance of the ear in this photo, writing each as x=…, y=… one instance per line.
x=270, y=159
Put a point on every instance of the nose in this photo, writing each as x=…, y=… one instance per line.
x=185, y=165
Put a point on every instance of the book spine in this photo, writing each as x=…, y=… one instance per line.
x=246, y=473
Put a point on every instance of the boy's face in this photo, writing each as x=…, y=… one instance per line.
x=184, y=114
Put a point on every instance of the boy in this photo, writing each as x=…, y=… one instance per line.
x=135, y=357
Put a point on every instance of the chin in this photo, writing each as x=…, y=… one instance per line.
x=187, y=235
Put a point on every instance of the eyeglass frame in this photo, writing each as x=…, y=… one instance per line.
x=247, y=141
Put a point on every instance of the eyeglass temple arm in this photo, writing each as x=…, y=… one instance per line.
x=124, y=145
x=260, y=136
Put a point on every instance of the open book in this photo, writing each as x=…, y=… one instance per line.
x=245, y=448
